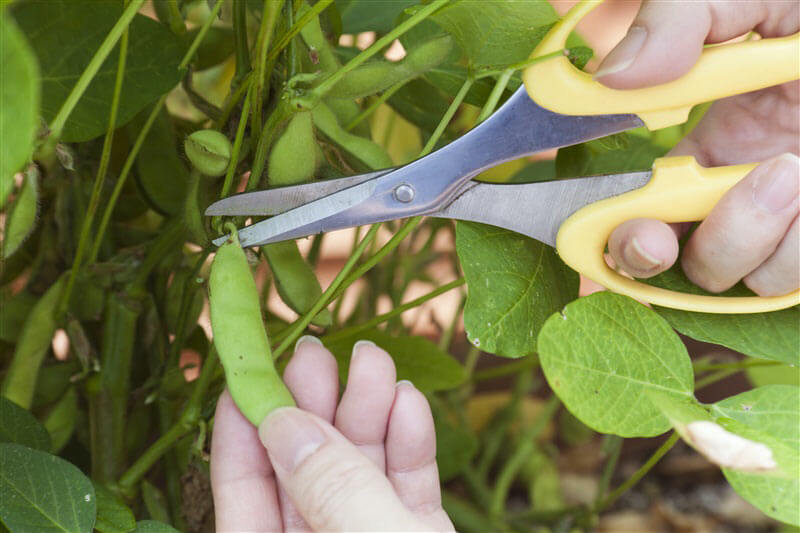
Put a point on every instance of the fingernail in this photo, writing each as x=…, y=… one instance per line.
x=637, y=256
x=290, y=435
x=624, y=54
x=357, y=346
x=776, y=185
x=404, y=382
x=306, y=338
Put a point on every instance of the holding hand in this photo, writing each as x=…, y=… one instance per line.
x=367, y=464
x=753, y=233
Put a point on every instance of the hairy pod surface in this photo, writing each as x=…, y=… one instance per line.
x=294, y=157
x=240, y=337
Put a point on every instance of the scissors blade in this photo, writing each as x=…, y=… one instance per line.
x=537, y=209
x=281, y=199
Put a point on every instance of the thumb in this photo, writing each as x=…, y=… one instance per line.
x=666, y=38
x=333, y=485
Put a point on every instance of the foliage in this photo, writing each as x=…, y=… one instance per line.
x=105, y=247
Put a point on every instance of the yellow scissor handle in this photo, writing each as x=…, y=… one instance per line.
x=721, y=71
x=679, y=190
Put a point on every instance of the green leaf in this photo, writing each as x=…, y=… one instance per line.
x=65, y=34
x=450, y=78
x=113, y=516
x=603, y=353
x=417, y=360
x=774, y=336
x=773, y=375
x=41, y=492
x=60, y=420
x=420, y=103
x=19, y=90
x=22, y=217
x=608, y=155
x=151, y=526
x=496, y=32
x=369, y=15
x=455, y=448
x=19, y=426
x=154, y=502
x=514, y=282
x=770, y=414
x=15, y=309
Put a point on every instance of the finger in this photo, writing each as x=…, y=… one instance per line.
x=780, y=274
x=411, y=456
x=643, y=247
x=746, y=226
x=666, y=38
x=242, y=479
x=363, y=412
x=334, y=485
x=312, y=377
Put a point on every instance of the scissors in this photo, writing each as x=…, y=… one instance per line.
x=576, y=215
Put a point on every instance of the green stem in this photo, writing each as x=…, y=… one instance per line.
x=739, y=365
x=57, y=125
x=100, y=179
x=279, y=114
x=519, y=365
x=613, y=447
x=242, y=48
x=525, y=447
x=237, y=145
x=448, y=116
x=322, y=89
x=137, y=145
x=232, y=101
x=281, y=43
x=485, y=73
x=185, y=423
x=400, y=309
x=268, y=19
x=494, y=96
x=716, y=376
x=170, y=237
x=298, y=327
x=639, y=474
x=388, y=93
x=176, y=23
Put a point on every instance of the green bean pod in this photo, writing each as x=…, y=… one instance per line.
x=376, y=76
x=293, y=158
x=240, y=337
x=369, y=153
x=297, y=285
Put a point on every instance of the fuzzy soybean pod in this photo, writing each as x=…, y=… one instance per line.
x=293, y=159
x=369, y=153
x=376, y=76
x=240, y=337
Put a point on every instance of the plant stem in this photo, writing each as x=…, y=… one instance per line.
x=232, y=100
x=279, y=114
x=400, y=309
x=494, y=96
x=99, y=181
x=525, y=447
x=57, y=125
x=505, y=370
x=281, y=43
x=176, y=23
x=716, y=376
x=237, y=145
x=388, y=93
x=485, y=73
x=639, y=474
x=613, y=447
x=268, y=19
x=322, y=89
x=748, y=363
x=240, y=39
x=298, y=327
x=137, y=145
x=454, y=105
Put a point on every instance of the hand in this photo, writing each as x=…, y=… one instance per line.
x=373, y=469
x=752, y=233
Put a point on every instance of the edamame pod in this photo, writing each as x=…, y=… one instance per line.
x=240, y=337
x=295, y=280
x=293, y=159
x=365, y=150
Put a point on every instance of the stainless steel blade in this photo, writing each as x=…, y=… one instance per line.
x=537, y=209
x=276, y=201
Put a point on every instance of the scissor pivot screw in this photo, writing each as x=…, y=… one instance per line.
x=404, y=193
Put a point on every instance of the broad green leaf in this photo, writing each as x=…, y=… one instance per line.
x=22, y=217
x=19, y=92
x=455, y=448
x=603, y=353
x=154, y=502
x=151, y=526
x=417, y=360
x=369, y=15
x=41, y=492
x=113, y=516
x=420, y=103
x=14, y=310
x=496, y=32
x=514, y=283
x=65, y=34
x=774, y=335
x=20, y=427
x=604, y=156
x=772, y=414
x=60, y=420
